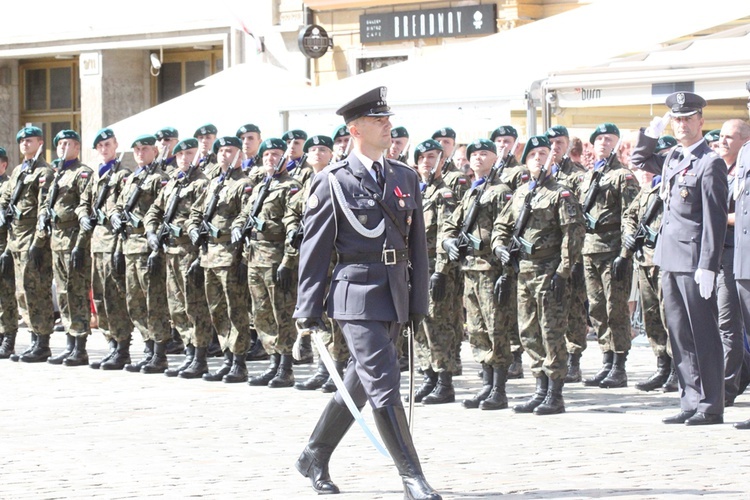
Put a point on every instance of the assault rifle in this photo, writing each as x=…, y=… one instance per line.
x=645, y=236
x=54, y=192
x=593, y=192
x=99, y=217
x=167, y=228
x=402, y=157
x=431, y=177
x=127, y=212
x=12, y=212
x=206, y=228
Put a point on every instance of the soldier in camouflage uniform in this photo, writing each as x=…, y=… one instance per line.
x=548, y=244
x=190, y=317
x=271, y=263
x=249, y=135
x=71, y=256
x=32, y=258
x=569, y=174
x=399, y=149
x=489, y=326
x=341, y=143
x=206, y=136
x=147, y=293
x=8, y=305
x=436, y=336
x=225, y=275
x=167, y=138
x=297, y=166
x=107, y=282
x=606, y=264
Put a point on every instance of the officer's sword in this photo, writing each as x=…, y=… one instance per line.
x=410, y=333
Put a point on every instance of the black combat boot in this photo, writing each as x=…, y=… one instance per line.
x=515, y=370
x=672, y=384
x=175, y=345
x=40, y=353
x=484, y=391
x=79, y=356
x=443, y=392
x=608, y=359
x=393, y=428
x=574, y=368
x=120, y=359
x=428, y=385
x=554, y=402
x=265, y=377
x=112, y=348
x=148, y=353
x=284, y=376
x=70, y=344
x=256, y=351
x=330, y=429
x=218, y=375
x=316, y=381
x=34, y=339
x=8, y=346
x=189, y=355
x=214, y=347
x=306, y=352
x=238, y=371
x=330, y=385
x=617, y=376
x=198, y=366
x=542, y=385
x=158, y=362
x=497, y=400
x=659, y=377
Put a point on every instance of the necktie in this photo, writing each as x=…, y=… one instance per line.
x=379, y=174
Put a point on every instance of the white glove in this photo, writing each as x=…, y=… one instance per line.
x=657, y=125
x=705, y=281
x=297, y=347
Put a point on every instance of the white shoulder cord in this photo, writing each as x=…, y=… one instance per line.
x=350, y=217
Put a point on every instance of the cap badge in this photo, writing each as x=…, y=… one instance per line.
x=316, y=140
x=383, y=92
x=501, y=130
x=534, y=141
x=680, y=98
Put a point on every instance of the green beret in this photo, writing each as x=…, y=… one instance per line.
x=167, y=133
x=503, y=131
x=229, y=140
x=272, y=143
x=290, y=135
x=712, y=135
x=341, y=131
x=144, y=140
x=424, y=146
x=536, y=141
x=184, y=145
x=481, y=145
x=207, y=129
x=557, y=131
x=604, y=128
x=445, y=132
x=397, y=132
x=3, y=154
x=318, y=140
x=665, y=142
x=29, y=132
x=66, y=134
x=103, y=135
x=248, y=127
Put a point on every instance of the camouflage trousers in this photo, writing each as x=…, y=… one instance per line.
x=73, y=287
x=109, y=298
x=147, y=298
x=228, y=303
x=333, y=338
x=577, y=324
x=8, y=304
x=188, y=308
x=34, y=291
x=608, y=301
x=489, y=326
x=456, y=306
x=435, y=339
x=542, y=320
x=272, y=310
x=652, y=305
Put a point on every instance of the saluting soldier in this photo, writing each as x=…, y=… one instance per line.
x=8, y=304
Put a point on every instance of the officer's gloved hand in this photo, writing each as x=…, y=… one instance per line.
x=195, y=272
x=85, y=223
x=118, y=263
x=437, y=286
x=416, y=319
x=6, y=263
x=576, y=273
x=154, y=262
x=503, y=254
x=657, y=125
x=35, y=256
x=629, y=242
x=77, y=256
x=194, y=236
x=42, y=221
x=619, y=268
x=450, y=245
x=284, y=278
x=502, y=289
x=242, y=273
x=153, y=241
x=705, y=281
x=236, y=235
x=557, y=287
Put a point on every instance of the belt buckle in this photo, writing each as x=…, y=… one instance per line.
x=389, y=256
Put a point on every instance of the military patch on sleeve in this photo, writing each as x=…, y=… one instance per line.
x=313, y=201
x=84, y=175
x=524, y=177
x=248, y=189
x=571, y=208
x=447, y=194
x=508, y=196
x=42, y=180
x=164, y=182
x=293, y=190
x=462, y=180
x=628, y=177
x=565, y=193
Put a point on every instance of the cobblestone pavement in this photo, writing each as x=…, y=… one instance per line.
x=82, y=433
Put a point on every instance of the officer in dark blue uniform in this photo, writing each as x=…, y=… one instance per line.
x=368, y=211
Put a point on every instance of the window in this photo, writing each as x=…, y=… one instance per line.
x=181, y=69
x=370, y=63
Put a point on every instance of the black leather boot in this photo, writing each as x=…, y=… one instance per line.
x=608, y=359
x=497, y=400
x=428, y=385
x=189, y=356
x=79, y=356
x=316, y=381
x=659, y=377
x=542, y=385
x=112, y=348
x=391, y=423
x=214, y=347
x=515, y=370
x=120, y=359
x=256, y=351
x=265, y=377
x=8, y=346
x=333, y=424
x=284, y=376
x=158, y=362
x=617, y=376
x=148, y=353
x=443, y=392
x=218, y=375
x=40, y=353
x=238, y=371
x=198, y=365
x=175, y=345
x=484, y=391
x=306, y=352
x=70, y=344
x=574, y=368
x=554, y=402
x=330, y=385
x=672, y=384
x=34, y=339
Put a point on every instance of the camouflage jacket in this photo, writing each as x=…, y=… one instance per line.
x=438, y=204
x=632, y=220
x=34, y=192
x=514, y=174
x=455, y=180
x=570, y=175
x=102, y=238
x=71, y=182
